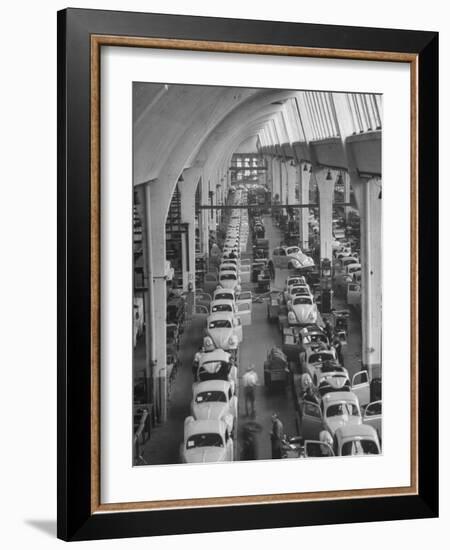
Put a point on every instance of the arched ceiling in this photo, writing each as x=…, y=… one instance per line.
x=179, y=126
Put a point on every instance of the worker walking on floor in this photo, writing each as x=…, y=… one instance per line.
x=250, y=381
x=277, y=436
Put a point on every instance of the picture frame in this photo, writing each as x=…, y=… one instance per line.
x=81, y=35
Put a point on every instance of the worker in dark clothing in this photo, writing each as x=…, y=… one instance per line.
x=329, y=330
x=277, y=436
x=338, y=347
x=249, y=446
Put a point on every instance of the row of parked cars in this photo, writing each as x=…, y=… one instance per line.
x=333, y=407
x=337, y=414
x=210, y=428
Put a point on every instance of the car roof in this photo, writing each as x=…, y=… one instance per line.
x=211, y=385
x=356, y=430
x=340, y=396
x=228, y=315
x=215, y=355
x=204, y=426
x=226, y=290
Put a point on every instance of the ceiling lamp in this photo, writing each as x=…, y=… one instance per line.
x=305, y=168
x=329, y=175
x=340, y=181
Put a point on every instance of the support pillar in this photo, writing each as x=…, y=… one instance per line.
x=268, y=174
x=346, y=179
x=292, y=182
x=188, y=188
x=283, y=184
x=368, y=196
x=303, y=214
x=276, y=183
x=148, y=294
x=156, y=199
x=325, y=184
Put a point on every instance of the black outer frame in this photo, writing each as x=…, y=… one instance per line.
x=75, y=521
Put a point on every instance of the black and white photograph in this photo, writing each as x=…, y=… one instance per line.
x=257, y=274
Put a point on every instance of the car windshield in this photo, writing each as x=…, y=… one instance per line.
x=220, y=323
x=374, y=409
x=316, y=338
x=204, y=440
x=228, y=277
x=223, y=296
x=293, y=250
x=302, y=300
x=228, y=267
x=325, y=388
x=320, y=357
x=302, y=290
x=208, y=396
x=360, y=447
x=222, y=307
x=340, y=409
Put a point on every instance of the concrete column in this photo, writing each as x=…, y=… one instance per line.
x=269, y=174
x=187, y=191
x=303, y=215
x=157, y=198
x=283, y=183
x=292, y=182
x=276, y=185
x=346, y=179
x=368, y=196
x=326, y=193
x=204, y=232
x=148, y=295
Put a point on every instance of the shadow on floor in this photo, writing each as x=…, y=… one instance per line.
x=46, y=526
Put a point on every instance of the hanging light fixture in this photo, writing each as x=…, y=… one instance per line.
x=305, y=168
x=310, y=169
x=340, y=181
x=329, y=175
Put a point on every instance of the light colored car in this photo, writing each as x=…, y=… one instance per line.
x=228, y=266
x=217, y=365
x=225, y=330
x=297, y=290
x=214, y=400
x=373, y=416
x=206, y=441
x=224, y=294
x=313, y=336
x=312, y=358
x=302, y=310
x=336, y=409
x=344, y=262
x=330, y=377
x=229, y=279
x=340, y=409
x=294, y=280
x=291, y=257
x=223, y=305
x=356, y=440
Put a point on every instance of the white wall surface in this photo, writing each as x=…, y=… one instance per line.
x=28, y=273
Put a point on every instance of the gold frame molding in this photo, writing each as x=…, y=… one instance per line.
x=97, y=41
